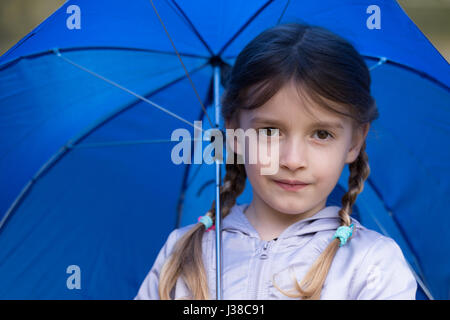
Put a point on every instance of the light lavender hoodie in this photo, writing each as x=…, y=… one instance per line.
x=368, y=266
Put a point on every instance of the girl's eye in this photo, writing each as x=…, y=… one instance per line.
x=269, y=131
x=323, y=135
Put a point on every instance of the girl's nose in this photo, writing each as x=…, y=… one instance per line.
x=293, y=153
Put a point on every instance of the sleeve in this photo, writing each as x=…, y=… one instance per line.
x=384, y=274
x=149, y=287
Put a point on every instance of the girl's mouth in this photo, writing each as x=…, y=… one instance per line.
x=290, y=187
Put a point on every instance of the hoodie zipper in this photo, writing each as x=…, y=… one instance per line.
x=261, y=261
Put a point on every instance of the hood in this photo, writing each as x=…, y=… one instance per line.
x=325, y=219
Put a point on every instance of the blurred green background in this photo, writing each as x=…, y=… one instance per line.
x=19, y=17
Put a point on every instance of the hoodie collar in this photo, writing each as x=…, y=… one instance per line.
x=325, y=219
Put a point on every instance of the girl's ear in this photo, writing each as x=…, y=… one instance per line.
x=358, y=139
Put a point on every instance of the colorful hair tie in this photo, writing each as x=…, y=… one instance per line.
x=343, y=233
x=207, y=221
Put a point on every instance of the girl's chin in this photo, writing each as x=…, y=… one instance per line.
x=291, y=210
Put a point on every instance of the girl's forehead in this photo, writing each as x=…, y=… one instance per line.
x=290, y=106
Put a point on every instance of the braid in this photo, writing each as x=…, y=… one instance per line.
x=359, y=171
x=233, y=186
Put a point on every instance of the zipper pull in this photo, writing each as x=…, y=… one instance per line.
x=264, y=256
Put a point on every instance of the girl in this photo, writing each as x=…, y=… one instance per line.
x=311, y=89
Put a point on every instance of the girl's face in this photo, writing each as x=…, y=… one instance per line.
x=313, y=148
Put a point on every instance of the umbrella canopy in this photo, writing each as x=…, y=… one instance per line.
x=89, y=100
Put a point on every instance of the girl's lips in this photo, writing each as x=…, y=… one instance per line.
x=290, y=187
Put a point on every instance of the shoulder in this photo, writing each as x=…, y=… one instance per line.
x=382, y=271
x=370, y=242
x=176, y=235
x=179, y=232
x=371, y=245
x=149, y=289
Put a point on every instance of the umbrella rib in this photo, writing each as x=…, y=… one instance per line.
x=184, y=67
x=124, y=143
x=284, y=10
x=244, y=26
x=125, y=89
x=191, y=25
x=381, y=61
x=420, y=278
x=7, y=63
x=416, y=276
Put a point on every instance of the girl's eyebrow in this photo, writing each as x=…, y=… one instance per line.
x=322, y=124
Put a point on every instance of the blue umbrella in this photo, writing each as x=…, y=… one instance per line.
x=89, y=100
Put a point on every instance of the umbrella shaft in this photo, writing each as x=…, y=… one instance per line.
x=218, y=211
